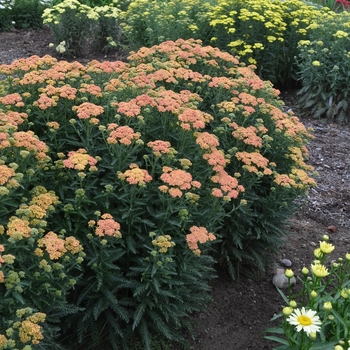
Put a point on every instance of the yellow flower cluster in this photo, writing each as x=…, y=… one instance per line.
x=27, y=329
x=163, y=243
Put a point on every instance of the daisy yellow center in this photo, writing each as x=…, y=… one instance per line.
x=304, y=320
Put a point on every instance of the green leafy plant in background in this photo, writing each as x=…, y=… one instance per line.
x=324, y=65
x=146, y=23
x=317, y=317
x=78, y=28
x=123, y=183
x=27, y=13
x=5, y=17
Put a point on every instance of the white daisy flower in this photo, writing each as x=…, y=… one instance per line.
x=305, y=320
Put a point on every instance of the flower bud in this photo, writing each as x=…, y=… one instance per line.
x=325, y=238
x=304, y=271
x=313, y=335
x=347, y=256
x=318, y=253
x=327, y=306
x=287, y=311
x=338, y=347
x=289, y=273
x=313, y=294
x=293, y=303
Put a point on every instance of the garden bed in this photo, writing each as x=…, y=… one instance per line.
x=241, y=310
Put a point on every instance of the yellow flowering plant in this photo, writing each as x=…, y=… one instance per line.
x=124, y=182
x=325, y=54
x=317, y=316
x=263, y=33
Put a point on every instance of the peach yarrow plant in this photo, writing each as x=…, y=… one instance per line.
x=120, y=178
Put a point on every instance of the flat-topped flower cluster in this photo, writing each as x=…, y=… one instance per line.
x=119, y=178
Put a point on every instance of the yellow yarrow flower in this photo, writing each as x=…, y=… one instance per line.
x=316, y=63
x=319, y=270
x=326, y=248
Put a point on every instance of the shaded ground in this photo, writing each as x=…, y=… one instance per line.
x=241, y=311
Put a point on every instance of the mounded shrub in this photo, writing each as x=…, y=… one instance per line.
x=123, y=183
x=324, y=65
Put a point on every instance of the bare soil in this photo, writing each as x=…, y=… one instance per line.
x=240, y=311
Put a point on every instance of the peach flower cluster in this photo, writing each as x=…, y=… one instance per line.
x=122, y=134
x=79, y=160
x=198, y=235
x=178, y=181
x=106, y=226
x=56, y=247
x=87, y=110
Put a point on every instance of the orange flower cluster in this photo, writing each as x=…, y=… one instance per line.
x=223, y=82
x=185, y=50
x=198, y=235
x=216, y=158
x=5, y=174
x=179, y=180
x=12, y=118
x=252, y=80
x=114, y=85
x=159, y=147
x=194, y=118
x=130, y=109
x=292, y=127
x=124, y=134
x=18, y=228
x=56, y=247
x=53, y=125
x=53, y=245
x=12, y=99
x=30, y=142
x=44, y=102
x=87, y=110
x=30, y=331
x=206, y=140
x=135, y=175
x=163, y=243
x=107, y=227
x=229, y=187
x=253, y=161
x=79, y=159
x=170, y=101
x=107, y=67
x=92, y=89
x=65, y=91
x=247, y=135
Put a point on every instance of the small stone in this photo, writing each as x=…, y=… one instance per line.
x=332, y=228
x=312, y=244
x=286, y=262
x=278, y=270
x=281, y=281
